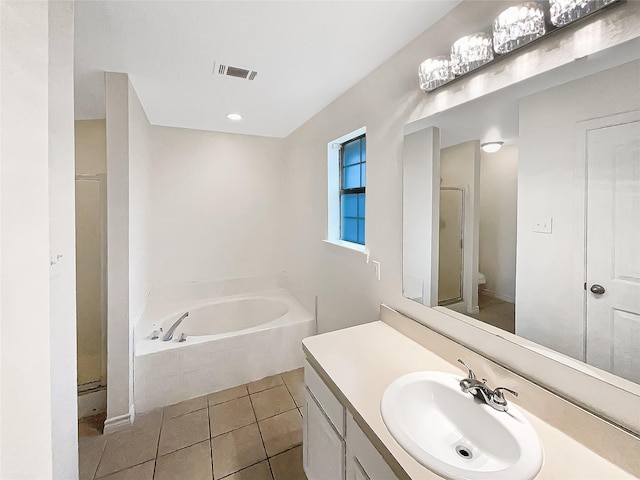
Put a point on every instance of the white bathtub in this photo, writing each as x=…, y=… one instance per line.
x=229, y=341
x=228, y=315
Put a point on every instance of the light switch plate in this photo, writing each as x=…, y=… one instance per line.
x=542, y=225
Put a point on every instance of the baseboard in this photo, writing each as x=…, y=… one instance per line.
x=499, y=296
x=115, y=424
x=92, y=403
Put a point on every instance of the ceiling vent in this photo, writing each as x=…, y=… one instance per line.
x=237, y=72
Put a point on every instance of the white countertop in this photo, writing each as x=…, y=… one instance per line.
x=360, y=362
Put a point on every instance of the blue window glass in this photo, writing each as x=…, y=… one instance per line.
x=350, y=229
x=351, y=153
x=352, y=192
x=351, y=177
x=350, y=204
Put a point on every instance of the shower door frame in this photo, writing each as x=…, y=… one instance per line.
x=460, y=299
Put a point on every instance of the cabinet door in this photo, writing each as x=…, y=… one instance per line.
x=363, y=460
x=322, y=446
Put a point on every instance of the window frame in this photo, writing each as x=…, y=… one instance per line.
x=351, y=191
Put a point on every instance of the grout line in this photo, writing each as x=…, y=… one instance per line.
x=99, y=459
x=209, y=419
x=155, y=460
x=261, y=438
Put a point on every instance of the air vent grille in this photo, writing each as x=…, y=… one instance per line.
x=237, y=72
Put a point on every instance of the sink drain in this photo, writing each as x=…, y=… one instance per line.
x=464, y=452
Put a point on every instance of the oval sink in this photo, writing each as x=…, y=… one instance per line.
x=455, y=435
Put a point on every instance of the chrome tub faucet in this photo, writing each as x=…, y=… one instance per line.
x=169, y=335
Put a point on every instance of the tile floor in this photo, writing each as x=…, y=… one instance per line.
x=249, y=432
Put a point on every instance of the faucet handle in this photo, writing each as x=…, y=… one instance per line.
x=498, y=396
x=470, y=374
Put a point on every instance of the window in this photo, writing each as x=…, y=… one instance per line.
x=353, y=155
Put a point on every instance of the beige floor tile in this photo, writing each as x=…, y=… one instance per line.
x=265, y=383
x=89, y=453
x=182, y=431
x=288, y=465
x=259, y=471
x=187, y=406
x=281, y=432
x=230, y=415
x=91, y=426
x=228, y=394
x=294, y=380
x=143, y=471
x=133, y=446
x=236, y=450
x=191, y=463
x=268, y=403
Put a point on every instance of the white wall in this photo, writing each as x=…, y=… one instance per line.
x=140, y=161
x=37, y=306
x=128, y=206
x=545, y=287
x=64, y=435
x=498, y=205
x=216, y=206
x=385, y=101
x=120, y=354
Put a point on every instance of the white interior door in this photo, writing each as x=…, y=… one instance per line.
x=613, y=247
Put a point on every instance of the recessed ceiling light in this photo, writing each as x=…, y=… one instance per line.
x=491, y=147
x=236, y=117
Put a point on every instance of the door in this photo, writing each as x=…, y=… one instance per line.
x=613, y=257
x=451, y=251
x=323, y=449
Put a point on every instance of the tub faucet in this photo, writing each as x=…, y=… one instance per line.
x=169, y=335
x=479, y=389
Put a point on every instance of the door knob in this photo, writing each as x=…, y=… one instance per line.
x=597, y=289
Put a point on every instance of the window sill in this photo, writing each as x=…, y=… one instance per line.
x=354, y=247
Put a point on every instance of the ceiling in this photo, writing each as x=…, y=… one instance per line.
x=306, y=53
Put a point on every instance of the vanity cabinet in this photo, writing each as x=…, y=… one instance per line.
x=363, y=461
x=334, y=446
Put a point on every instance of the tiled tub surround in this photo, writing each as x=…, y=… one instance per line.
x=358, y=364
x=172, y=371
x=247, y=432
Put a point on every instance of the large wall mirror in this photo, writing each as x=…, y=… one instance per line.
x=542, y=237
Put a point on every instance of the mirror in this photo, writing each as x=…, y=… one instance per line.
x=541, y=238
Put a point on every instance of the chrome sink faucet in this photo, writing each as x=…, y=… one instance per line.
x=479, y=389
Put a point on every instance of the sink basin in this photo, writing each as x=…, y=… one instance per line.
x=455, y=435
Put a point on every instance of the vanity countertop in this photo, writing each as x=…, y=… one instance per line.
x=358, y=364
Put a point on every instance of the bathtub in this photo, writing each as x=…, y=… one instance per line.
x=229, y=341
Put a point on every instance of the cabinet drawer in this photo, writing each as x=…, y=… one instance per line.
x=332, y=408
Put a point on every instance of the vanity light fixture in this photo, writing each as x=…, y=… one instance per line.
x=517, y=26
x=434, y=72
x=470, y=52
x=513, y=28
x=236, y=117
x=491, y=147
